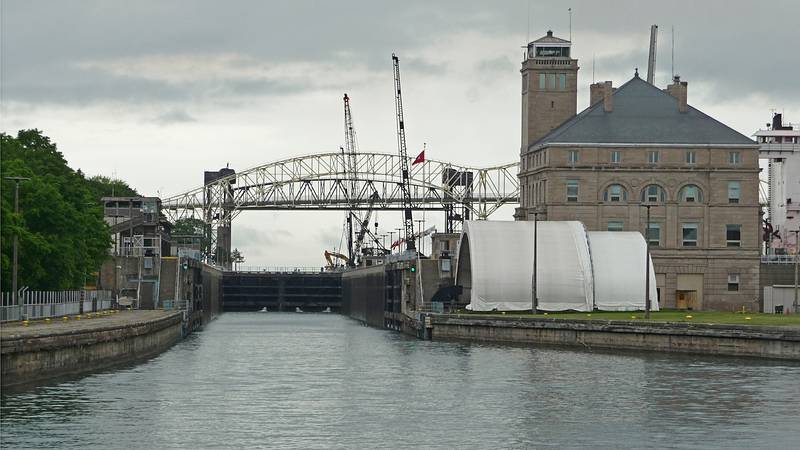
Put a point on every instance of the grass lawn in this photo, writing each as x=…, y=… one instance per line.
x=667, y=316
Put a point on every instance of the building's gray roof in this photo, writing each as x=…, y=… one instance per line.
x=549, y=38
x=642, y=114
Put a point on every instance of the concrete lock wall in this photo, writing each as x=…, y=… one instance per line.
x=709, y=339
x=364, y=294
x=28, y=360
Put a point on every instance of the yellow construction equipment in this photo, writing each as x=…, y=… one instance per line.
x=329, y=257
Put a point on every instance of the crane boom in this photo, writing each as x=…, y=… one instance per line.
x=351, y=148
x=364, y=225
x=408, y=220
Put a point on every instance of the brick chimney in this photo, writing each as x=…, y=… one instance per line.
x=678, y=89
x=596, y=92
x=608, y=97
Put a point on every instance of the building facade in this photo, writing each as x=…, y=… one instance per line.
x=640, y=148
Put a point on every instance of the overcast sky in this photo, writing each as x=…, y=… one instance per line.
x=156, y=92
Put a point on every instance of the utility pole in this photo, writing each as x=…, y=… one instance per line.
x=647, y=265
x=420, y=227
x=534, y=281
x=15, y=294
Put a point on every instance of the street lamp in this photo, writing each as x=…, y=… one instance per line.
x=15, y=294
x=647, y=265
x=534, y=281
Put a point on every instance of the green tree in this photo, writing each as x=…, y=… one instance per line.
x=236, y=258
x=62, y=235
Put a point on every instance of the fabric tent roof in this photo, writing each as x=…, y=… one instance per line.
x=576, y=270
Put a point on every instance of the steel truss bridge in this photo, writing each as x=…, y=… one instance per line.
x=326, y=182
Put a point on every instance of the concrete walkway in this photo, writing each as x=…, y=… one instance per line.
x=57, y=326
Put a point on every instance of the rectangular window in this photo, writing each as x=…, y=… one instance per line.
x=733, y=235
x=524, y=82
x=562, y=82
x=573, y=156
x=689, y=234
x=733, y=281
x=616, y=226
x=691, y=157
x=654, y=235
x=572, y=190
x=734, y=190
x=734, y=157
x=551, y=81
x=652, y=156
x=616, y=156
x=541, y=81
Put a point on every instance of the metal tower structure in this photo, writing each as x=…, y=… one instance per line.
x=351, y=149
x=408, y=219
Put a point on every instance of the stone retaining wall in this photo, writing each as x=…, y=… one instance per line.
x=31, y=359
x=709, y=339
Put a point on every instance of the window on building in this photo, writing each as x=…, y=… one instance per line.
x=551, y=81
x=733, y=281
x=689, y=234
x=524, y=82
x=733, y=235
x=562, y=82
x=653, y=193
x=691, y=194
x=691, y=157
x=616, y=225
x=652, y=156
x=616, y=156
x=734, y=191
x=654, y=234
x=615, y=193
x=573, y=156
x=542, y=84
x=734, y=157
x=572, y=190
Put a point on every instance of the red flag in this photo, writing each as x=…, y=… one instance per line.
x=420, y=158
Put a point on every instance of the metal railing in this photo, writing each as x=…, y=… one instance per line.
x=278, y=269
x=42, y=304
x=779, y=259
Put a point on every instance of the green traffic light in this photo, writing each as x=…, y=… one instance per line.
x=413, y=269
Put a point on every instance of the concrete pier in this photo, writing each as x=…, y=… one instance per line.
x=45, y=350
x=708, y=339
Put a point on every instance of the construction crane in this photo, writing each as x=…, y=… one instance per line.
x=329, y=257
x=408, y=220
x=364, y=229
x=351, y=148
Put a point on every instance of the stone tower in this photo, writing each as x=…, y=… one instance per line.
x=549, y=87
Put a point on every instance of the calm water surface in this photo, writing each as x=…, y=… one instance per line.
x=323, y=381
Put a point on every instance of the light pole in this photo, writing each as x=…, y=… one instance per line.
x=647, y=265
x=796, y=258
x=14, y=293
x=421, y=238
x=534, y=293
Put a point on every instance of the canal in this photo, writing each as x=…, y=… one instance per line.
x=284, y=380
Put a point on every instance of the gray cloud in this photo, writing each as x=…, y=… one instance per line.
x=174, y=116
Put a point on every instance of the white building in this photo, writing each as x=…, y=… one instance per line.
x=780, y=145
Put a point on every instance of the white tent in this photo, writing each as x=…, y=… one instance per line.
x=495, y=266
x=576, y=271
x=618, y=262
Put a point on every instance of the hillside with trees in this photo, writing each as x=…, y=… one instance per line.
x=62, y=236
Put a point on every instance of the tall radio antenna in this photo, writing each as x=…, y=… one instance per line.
x=570, y=24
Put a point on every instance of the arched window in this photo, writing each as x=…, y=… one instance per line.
x=691, y=194
x=615, y=193
x=653, y=193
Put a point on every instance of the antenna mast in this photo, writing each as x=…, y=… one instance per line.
x=570, y=24
x=651, y=60
x=408, y=220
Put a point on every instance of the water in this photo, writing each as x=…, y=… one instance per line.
x=323, y=381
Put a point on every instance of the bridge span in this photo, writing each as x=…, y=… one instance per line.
x=327, y=181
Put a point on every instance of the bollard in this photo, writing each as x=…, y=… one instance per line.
x=748, y=318
x=66, y=318
x=689, y=317
x=25, y=323
x=47, y=320
x=78, y=317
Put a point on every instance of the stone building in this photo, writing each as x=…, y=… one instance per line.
x=639, y=145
